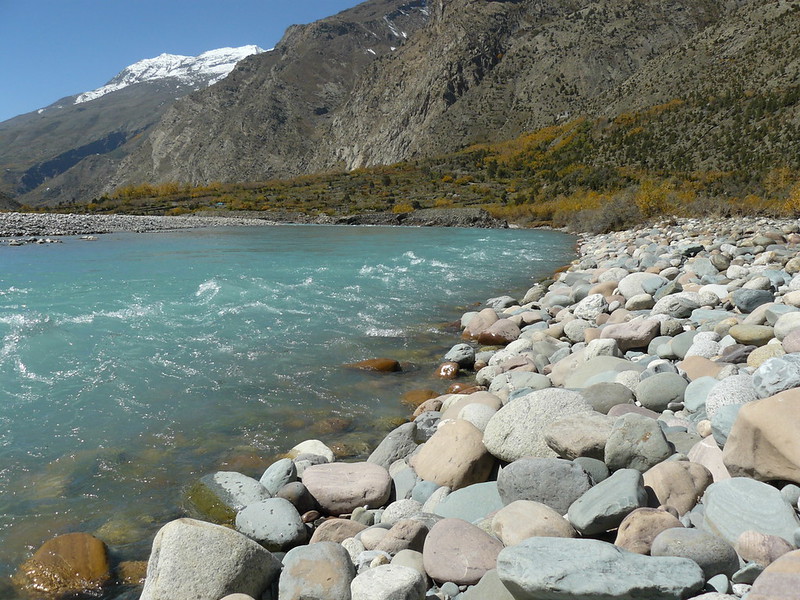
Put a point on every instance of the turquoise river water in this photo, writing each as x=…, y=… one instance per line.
x=131, y=365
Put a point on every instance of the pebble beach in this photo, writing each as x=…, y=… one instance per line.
x=628, y=429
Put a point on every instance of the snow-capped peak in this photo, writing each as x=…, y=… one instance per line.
x=205, y=69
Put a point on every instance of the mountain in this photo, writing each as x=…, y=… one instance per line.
x=470, y=71
x=49, y=155
x=659, y=85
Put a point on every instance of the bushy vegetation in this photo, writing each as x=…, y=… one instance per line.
x=584, y=174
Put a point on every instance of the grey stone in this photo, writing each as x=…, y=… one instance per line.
x=320, y=570
x=279, y=474
x=218, y=496
x=477, y=414
x=596, y=469
x=776, y=375
x=748, y=573
x=399, y=510
x=195, y=560
x=640, y=283
x=682, y=342
x=749, y=300
x=604, y=506
x=636, y=442
x=581, y=434
x=605, y=395
x=737, y=389
x=590, y=307
x=602, y=347
x=722, y=422
x=575, y=330
x=471, y=503
x=423, y=490
x=274, y=523
x=661, y=389
x=511, y=381
x=463, y=354
x=566, y=569
x=714, y=555
x=678, y=306
x=389, y=582
x=426, y=424
x=695, y=394
x=516, y=430
x=398, y=444
x=404, y=482
x=488, y=588
x=551, y=481
x=736, y=505
x=411, y=559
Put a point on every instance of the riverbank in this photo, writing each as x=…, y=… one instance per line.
x=49, y=225
x=643, y=405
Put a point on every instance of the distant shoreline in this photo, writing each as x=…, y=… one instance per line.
x=28, y=225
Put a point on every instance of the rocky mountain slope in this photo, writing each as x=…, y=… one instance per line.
x=396, y=80
x=52, y=154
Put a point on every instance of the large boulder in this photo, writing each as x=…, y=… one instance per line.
x=339, y=488
x=764, y=442
x=566, y=569
x=455, y=456
x=517, y=429
x=195, y=560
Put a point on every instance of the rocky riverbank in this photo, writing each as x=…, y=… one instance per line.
x=627, y=430
x=24, y=228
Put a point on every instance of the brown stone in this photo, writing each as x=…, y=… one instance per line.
x=464, y=388
x=779, y=581
x=339, y=488
x=380, y=365
x=638, y=530
x=67, y=564
x=632, y=334
x=764, y=443
x=582, y=434
x=678, y=484
x=447, y=370
x=413, y=398
x=132, y=572
x=454, y=456
x=522, y=519
x=499, y=333
x=761, y=548
x=407, y=534
x=696, y=367
x=336, y=530
x=480, y=322
x=428, y=405
x=460, y=552
x=486, y=398
x=707, y=453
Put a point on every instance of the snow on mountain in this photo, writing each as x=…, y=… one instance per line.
x=205, y=69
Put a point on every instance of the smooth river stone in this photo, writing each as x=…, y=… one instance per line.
x=566, y=569
x=339, y=488
x=389, y=582
x=636, y=442
x=523, y=519
x=455, y=456
x=779, y=581
x=195, y=560
x=581, y=434
x=714, y=555
x=274, y=523
x=322, y=570
x=638, y=530
x=604, y=506
x=68, y=564
x=679, y=484
x=398, y=444
x=776, y=375
x=737, y=389
x=219, y=496
x=764, y=442
x=471, y=503
x=459, y=552
x=740, y=504
x=551, y=481
x=517, y=429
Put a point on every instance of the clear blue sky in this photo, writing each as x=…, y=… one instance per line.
x=55, y=48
